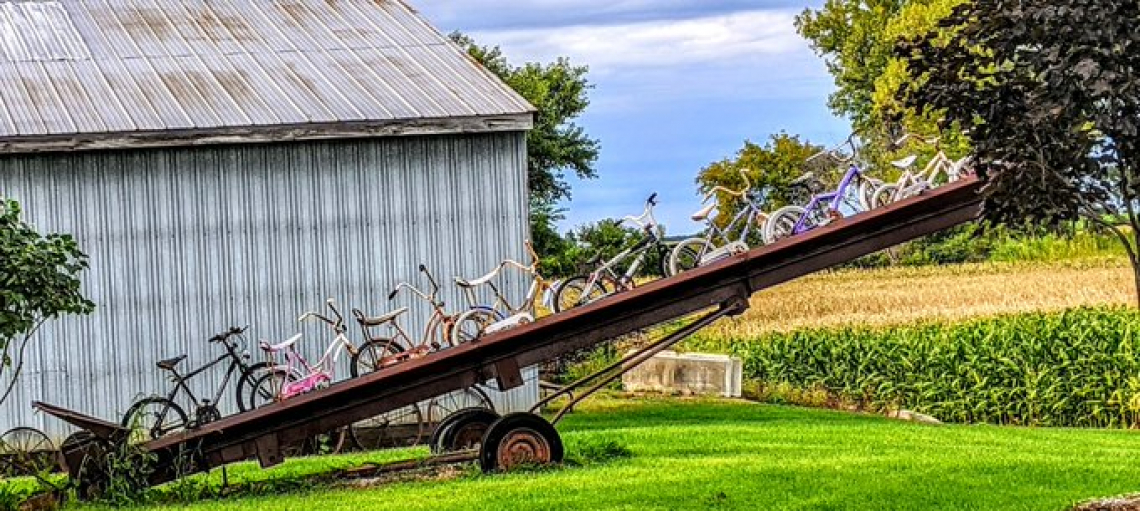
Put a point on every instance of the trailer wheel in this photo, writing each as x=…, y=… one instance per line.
x=462, y=430
x=519, y=439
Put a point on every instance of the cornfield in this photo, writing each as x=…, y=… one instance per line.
x=1077, y=368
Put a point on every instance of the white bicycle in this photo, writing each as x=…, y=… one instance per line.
x=720, y=243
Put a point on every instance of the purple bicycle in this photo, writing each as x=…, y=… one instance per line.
x=855, y=190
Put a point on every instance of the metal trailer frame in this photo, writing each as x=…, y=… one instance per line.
x=723, y=288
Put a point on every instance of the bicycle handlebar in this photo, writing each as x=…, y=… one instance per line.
x=229, y=333
x=646, y=220
x=834, y=151
x=932, y=141
x=734, y=193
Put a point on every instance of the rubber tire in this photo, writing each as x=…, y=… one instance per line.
x=488, y=451
x=248, y=377
x=382, y=346
x=580, y=283
x=866, y=192
x=479, y=318
x=686, y=248
x=262, y=379
x=883, y=195
x=128, y=420
x=780, y=223
x=443, y=437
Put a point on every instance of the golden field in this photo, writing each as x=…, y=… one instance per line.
x=896, y=296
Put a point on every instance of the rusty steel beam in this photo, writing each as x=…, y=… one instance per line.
x=262, y=432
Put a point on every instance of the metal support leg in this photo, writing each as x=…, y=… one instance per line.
x=628, y=363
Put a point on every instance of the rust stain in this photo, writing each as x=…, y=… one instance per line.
x=238, y=29
x=235, y=85
x=145, y=21
x=293, y=10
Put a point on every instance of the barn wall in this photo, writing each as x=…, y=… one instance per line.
x=184, y=243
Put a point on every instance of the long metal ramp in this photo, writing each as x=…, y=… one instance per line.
x=720, y=289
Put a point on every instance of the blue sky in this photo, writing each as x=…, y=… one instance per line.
x=678, y=84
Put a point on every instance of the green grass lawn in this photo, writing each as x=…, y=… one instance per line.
x=690, y=454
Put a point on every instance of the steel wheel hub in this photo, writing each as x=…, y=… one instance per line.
x=523, y=446
x=469, y=435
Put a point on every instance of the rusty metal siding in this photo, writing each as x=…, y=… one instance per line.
x=75, y=67
x=187, y=242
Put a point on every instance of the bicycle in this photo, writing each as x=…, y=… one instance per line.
x=792, y=220
x=912, y=183
x=157, y=416
x=380, y=351
x=719, y=243
x=605, y=281
x=501, y=314
x=298, y=376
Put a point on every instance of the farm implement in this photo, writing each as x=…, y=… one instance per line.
x=710, y=292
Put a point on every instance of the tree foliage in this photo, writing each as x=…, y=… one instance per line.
x=856, y=39
x=771, y=168
x=1050, y=97
x=39, y=280
x=560, y=92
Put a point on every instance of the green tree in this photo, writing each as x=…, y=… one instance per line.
x=856, y=39
x=557, y=145
x=1050, y=97
x=770, y=168
x=39, y=281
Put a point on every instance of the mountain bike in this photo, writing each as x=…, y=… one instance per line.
x=156, y=416
x=938, y=170
x=605, y=280
x=501, y=313
x=719, y=243
x=854, y=191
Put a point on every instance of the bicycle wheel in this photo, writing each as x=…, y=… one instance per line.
x=442, y=406
x=782, y=223
x=403, y=427
x=471, y=325
x=153, y=418
x=27, y=452
x=369, y=357
x=267, y=388
x=573, y=293
x=866, y=192
x=687, y=255
x=883, y=195
x=245, y=382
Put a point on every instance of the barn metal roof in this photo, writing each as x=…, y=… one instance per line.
x=82, y=74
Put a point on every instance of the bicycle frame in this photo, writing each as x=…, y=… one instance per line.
x=181, y=379
x=833, y=199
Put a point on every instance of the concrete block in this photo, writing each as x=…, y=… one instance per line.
x=687, y=373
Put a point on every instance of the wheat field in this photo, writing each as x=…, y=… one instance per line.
x=896, y=296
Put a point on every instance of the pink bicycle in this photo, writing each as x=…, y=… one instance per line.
x=298, y=376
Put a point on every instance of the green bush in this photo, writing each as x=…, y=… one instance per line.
x=1075, y=368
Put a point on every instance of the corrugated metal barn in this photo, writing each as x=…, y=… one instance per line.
x=236, y=162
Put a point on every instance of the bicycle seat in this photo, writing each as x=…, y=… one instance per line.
x=380, y=320
x=476, y=282
x=273, y=348
x=905, y=163
x=169, y=363
x=704, y=213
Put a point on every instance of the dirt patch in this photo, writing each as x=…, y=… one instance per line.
x=1128, y=503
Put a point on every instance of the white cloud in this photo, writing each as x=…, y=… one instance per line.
x=622, y=48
